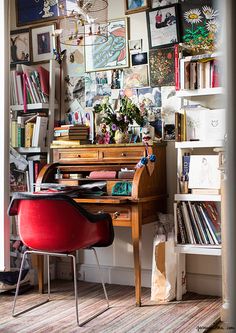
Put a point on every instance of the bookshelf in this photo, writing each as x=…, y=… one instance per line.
x=32, y=122
x=189, y=208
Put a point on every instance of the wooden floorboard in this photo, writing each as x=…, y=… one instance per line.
x=123, y=316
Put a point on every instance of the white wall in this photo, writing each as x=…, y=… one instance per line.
x=4, y=138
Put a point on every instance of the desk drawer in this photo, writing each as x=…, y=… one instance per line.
x=123, y=154
x=121, y=214
x=77, y=155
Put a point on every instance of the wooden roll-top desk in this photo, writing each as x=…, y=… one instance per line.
x=148, y=186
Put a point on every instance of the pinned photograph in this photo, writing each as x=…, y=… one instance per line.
x=139, y=59
x=135, y=46
x=136, y=77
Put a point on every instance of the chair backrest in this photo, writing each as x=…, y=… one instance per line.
x=56, y=223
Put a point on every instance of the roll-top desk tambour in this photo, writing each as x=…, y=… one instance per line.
x=148, y=187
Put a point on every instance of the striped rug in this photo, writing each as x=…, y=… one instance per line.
x=194, y=314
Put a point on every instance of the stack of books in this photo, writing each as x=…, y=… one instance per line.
x=72, y=132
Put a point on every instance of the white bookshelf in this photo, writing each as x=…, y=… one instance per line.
x=210, y=250
x=197, y=197
x=32, y=150
x=199, y=144
x=199, y=92
x=207, y=98
x=35, y=106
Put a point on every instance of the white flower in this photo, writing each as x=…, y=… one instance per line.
x=209, y=12
x=212, y=26
x=193, y=16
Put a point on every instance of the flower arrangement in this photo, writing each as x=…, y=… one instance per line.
x=118, y=121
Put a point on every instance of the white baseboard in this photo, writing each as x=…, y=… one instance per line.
x=199, y=283
x=204, y=284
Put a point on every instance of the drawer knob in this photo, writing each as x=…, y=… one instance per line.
x=101, y=212
x=116, y=215
x=123, y=154
x=78, y=155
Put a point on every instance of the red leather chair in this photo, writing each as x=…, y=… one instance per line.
x=55, y=225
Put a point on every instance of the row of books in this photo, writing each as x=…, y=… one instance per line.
x=29, y=85
x=197, y=123
x=71, y=132
x=196, y=71
x=197, y=223
x=29, y=131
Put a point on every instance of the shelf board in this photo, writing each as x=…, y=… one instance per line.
x=200, y=144
x=34, y=106
x=211, y=250
x=199, y=92
x=33, y=150
x=197, y=197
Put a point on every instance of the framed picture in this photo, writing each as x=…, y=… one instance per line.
x=163, y=26
x=162, y=67
x=139, y=59
x=111, y=54
x=43, y=43
x=135, y=6
x=20, y=47
x=30, y=12
x=200, y=24
x=161, y=3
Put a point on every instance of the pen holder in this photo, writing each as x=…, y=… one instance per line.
x=183, y=185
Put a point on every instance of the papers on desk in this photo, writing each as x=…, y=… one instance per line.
x=90, y=189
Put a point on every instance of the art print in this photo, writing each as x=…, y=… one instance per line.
x=200, y=24
x=74, y=91
x=163, y=26
x=35, y=11
x=162, y=68
x=20, y=51
x=135, y=6
x=136, y=77
x=43, y=43
x=112, y=54
x=170, y=105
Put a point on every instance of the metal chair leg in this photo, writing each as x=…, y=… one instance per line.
x=76, y=291
x=49, y=281
x=101, y=277
x=17, y=291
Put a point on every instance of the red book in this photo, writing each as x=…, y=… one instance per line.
x=177, y=81
x=44, y=79
x=215, y=74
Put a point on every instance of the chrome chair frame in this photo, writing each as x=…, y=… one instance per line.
x=48, y=254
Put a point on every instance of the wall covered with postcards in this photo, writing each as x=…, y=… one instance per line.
x=143, y=73
x=124, y=65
